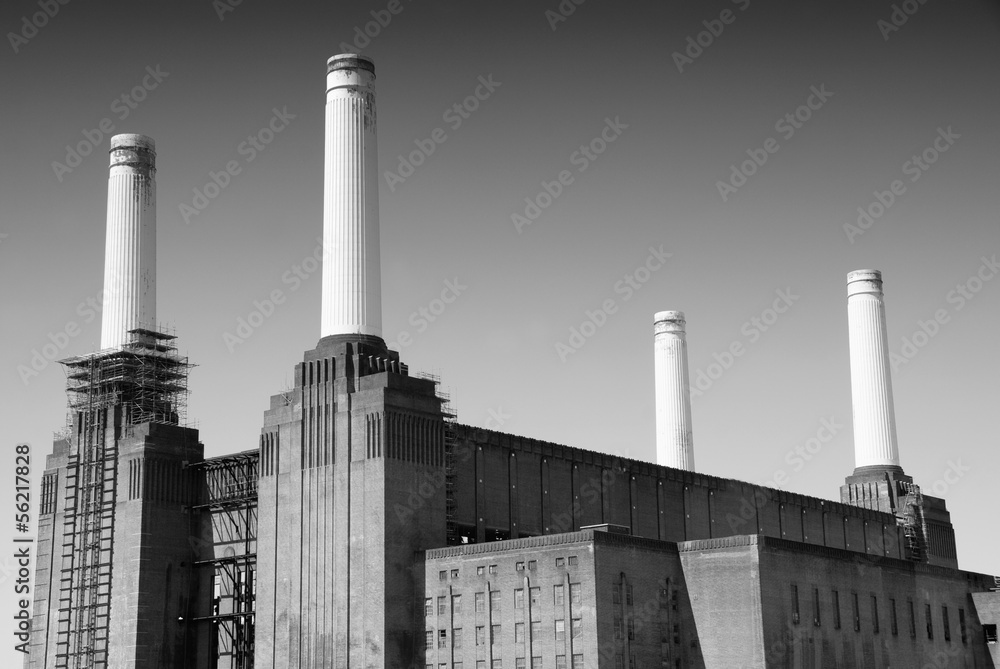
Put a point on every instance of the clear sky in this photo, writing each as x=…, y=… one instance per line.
x=679, y=117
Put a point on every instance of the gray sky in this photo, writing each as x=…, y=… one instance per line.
x=681, y=117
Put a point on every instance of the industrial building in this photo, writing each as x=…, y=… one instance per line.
x=369, y=528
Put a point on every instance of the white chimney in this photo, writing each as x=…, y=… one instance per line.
x=130, y=247
x=871, y=385
x=674, y=441
x=352, y=292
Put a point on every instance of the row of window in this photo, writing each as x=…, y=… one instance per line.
x=531, y=565
x=519, y=663
x=534, y=598
x=441, y=638
x=893, y=621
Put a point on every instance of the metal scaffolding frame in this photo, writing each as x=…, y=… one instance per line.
x=231, y=493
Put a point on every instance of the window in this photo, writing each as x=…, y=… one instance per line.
x=893, y=623
x=913, y=620
x=816, y=620
x=480, y=635
x=536, y=595
x=578, y=661
x=442, y=638
x=574, y=593
x=454, y=573
x=664, y=598
x=480, y=664
x=557, y=595
x=497, y=664
x=857, y=612
x=428, y=607
x=874, y=614
x=519, y=566
x=628, y=595
x=456, y=665
x=560, y=562
x=536, y=662
x=519, y=663
x=456, y=604
x=480, y=570
x=519, y=598
x=930, y=622
x=795, y=604
x=990, y=632
x=536, y=630
x=576, y=625
x=495, y=635
x=518, y=632
x=616, y=595
x=493, y=569
x=947, y=627
x=560, y=630
x=836, y=610
x=572, y=563
x=961, y=625
x=494, y=600
x=456, y=637
x=532, y=565
x=560, y=662
x=442, y=606
x=631, y=629
x=442, y=576
x=480, y=602
x=429, y=638
x=619, y=629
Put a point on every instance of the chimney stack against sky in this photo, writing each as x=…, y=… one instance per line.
x=352, y=298
x=130, y=247
x=871, y=385
x=674, y=442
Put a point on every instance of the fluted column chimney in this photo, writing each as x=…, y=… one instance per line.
x=674, y=442
x=871, y=385
x=352, y=297
x=130, y=247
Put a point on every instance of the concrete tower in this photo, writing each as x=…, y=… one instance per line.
x=130, y=247
x=674, y=441
x=871, y=386
x=352, y=302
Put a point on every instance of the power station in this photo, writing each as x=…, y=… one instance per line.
x=370, y=529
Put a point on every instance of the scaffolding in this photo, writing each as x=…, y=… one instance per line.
x=450, y=438
x=912, y=520
x=109, y=392
x=231, y=498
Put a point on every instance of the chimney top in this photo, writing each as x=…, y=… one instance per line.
x=350, y=61
x=864, y=281
x=668, y=321
x=132, y=149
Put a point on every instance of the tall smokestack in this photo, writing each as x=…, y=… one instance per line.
x=674, y=441
x=130, y=247
x=871, y=386
x=352, y=291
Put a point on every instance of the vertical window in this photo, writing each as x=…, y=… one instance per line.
x=494, y=600
x=576, y=626
x=480, y=635
x=616, y=595
x=480, y=602
x=930, y=622
x=618, y=662
x=536, y=595
x=893, y=623
x=495, y=635
x=442, y=638
x=628, y=594
x=557, y=595
x=454, y=573
x=429, y=638
x=428, y=607
x=456, y=604
x=836, y=610
x=559, y=563
x=519, y=598
x=480, y=570
x=442, y=576
x=536, y=630
x=493, y=569
x=990, y=632
x=664, y=598
x=532, y=565
x=574, y=593
x=857, y=612
x=944, y=620
x=456, y=665
x=795, y=604
x=518, y=632
x=578, y=661
x=631, y=629
x=456, y=637
x=442, y=605
x=536, y=662
x=816, y=620
x=913, y=619
x=480, y=664
x=619, y=629
x=572, y=563
x=875, y=614
x=519, y=663
x=560, y=662
x=519, y=566
x=961, y=625
x=497, y=664
x=560, y=630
